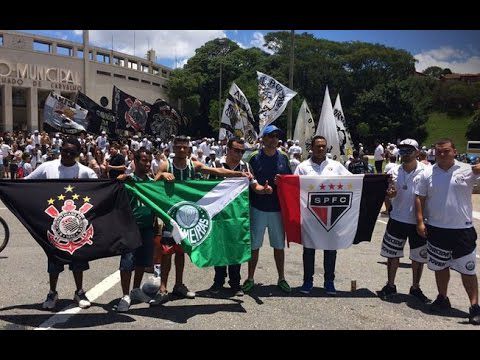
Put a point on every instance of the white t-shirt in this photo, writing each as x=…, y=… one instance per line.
x=101, y=142
x=155, y=166
x=293, y=164
x=389, y=167
x=327, y=167
x=5, y=150
x=295, y=149
x=55, y=170
x=403, y=204
x=448, y=194
x=378, y=154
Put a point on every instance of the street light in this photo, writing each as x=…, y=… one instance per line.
x=221, y=42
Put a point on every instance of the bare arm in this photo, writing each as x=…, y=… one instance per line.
x=162, y=173
x=199, y=167
x=419, y=206
x=261, y=189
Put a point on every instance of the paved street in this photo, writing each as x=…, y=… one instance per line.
x=24, y=284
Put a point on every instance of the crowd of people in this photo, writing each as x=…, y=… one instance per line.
x=421, y=182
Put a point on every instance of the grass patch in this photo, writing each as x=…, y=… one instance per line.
x=441, y=125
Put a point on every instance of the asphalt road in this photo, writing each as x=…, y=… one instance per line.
x=24, y=286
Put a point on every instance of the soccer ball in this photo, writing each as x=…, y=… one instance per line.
x=151, y=286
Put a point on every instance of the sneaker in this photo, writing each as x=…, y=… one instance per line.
x=215, y=288
x=160, y=298
x=474, y=317
x=138, y=295
x=124, y=304
x=237, y=290
x=441, y=304
x=283, y=285
x=81, y=299
x=248, y=285
x=419, y=295
x=330, y=288
x=51, y=300
x=182, y=290
x=306, y=287
x=387, y=291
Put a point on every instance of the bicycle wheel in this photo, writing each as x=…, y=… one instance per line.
x=4, y=234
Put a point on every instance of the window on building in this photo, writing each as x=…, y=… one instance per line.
x=1, y=40
x=42, y=46
x=64, y=50
x=80, y=53
x=103, y=58
x=132, y=78
x=155, y=84
x=145, y=82
x=155, y=70
x=90, y=55
x=132, y=65
x=119, y=76
x=145, y=68
x=103, y=73
x=117, y=61
x=165, y=86
x=164, y=73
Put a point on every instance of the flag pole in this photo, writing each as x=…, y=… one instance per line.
x=290, y=85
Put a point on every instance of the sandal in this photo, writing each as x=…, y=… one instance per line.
x=248, y=285
x=283, y=285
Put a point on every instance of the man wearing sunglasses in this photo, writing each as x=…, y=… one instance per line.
x=233, y=161
x=402, y=222
x=266, y=164
x=67, y=167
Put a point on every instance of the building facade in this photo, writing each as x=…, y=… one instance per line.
x=32, y=66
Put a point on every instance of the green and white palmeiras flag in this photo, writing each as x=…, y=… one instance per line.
x=210, y=219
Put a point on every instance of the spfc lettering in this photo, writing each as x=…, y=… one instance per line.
x=328, y=208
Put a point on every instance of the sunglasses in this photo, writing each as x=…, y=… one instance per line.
x=68, y=152
x=238, y=151
x=406, y=151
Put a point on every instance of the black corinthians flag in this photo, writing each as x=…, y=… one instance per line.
x=74, y=219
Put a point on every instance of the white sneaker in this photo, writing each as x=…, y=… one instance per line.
x=124, y=304
x=182, y=290
x=81, y=299
x=51, y=300
x=138, y=295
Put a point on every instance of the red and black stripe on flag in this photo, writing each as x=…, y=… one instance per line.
x=74, y=219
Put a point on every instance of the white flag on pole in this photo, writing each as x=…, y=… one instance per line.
x=344, y=138
x=273, y=99
x=237, y=117
x=327, y=127
x=305, y=127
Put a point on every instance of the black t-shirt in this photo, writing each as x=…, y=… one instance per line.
x=358, y=167
x=116, y=160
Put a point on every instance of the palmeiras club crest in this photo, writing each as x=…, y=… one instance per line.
x=329, y=207
x=137, y=114
x=70, y=230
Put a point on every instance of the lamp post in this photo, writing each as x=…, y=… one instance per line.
x=222, y=42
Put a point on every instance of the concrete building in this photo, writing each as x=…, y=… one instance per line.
x=32, y=66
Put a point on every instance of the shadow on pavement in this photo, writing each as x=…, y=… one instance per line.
x=415, y=304
x=401, y=265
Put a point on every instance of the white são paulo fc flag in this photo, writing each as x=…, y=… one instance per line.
x=237, y=117
x=330, y=212
x=305, y=127
x=273, y=98
x=327, y=127
x=344, y=138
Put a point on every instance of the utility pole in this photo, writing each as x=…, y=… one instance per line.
x=221, y=42
x=86, y=59
x=290, y=85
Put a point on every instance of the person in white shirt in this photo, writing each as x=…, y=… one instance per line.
x=65, y=168
x=319, y=164
x=147, y=144
x=36, y=138
x=156, y=162
x=134, y=144
x=200, y=157
x=402, y=222
x=378, y=156
x=102, y=141
x=57, y=141
x=294, y=162
x=294, y=149
x=444, y=218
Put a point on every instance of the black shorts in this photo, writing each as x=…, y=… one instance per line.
x=403, y=230
x=460, y=242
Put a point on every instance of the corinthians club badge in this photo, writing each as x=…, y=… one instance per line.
x=70, y=229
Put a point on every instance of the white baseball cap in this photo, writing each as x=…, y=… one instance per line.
x=409, y=142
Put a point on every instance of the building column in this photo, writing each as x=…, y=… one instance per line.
x=74, y=51
x=32, y=109
x=7, y=108
x=54, y=48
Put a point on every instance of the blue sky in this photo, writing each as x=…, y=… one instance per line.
x=458, y=50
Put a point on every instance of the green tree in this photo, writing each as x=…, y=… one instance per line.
x=433, y=71
x=473, y=130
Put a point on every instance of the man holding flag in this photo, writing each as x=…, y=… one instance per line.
x=181, y=168
x=319, y=164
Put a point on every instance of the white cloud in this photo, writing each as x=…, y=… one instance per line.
x=181, y=63
x=258, y=41
x=166, y=43
x=241, y=45
x=458, y=61
x=78, y=32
